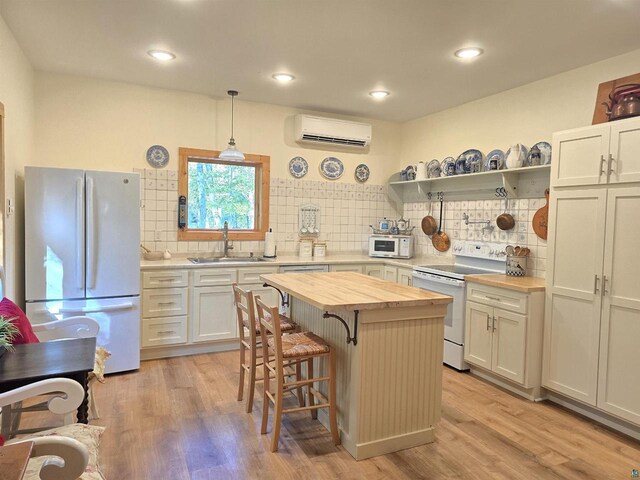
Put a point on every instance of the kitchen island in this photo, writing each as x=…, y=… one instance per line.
x=388, y=340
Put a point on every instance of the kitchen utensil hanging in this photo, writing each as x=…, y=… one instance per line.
x=429, y=225
x=505, y=221
x=440, y=240
x=541, y=218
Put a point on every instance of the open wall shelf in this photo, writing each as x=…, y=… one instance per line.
x=526, y=182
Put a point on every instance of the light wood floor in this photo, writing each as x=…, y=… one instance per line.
x=179, y=419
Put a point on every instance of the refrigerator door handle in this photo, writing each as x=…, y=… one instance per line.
x=91, y=236
x=98, y=309
x=79, y=235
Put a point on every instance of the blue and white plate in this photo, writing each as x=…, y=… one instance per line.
x=331, y=168
x=469, y=161
x=157, y=156
x=448, y=167
x=433, y=169
x=494, y=160
x=362, y=173
x=545, y=153
x=298, y=167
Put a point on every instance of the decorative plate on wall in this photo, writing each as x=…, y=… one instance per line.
x=298, y=167
x=469, y=161
x=362, y=173
x=157, y=156
x=331, y=168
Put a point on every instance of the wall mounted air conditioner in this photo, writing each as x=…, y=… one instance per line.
x=319, y=130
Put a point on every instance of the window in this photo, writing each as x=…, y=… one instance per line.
x=218, y=191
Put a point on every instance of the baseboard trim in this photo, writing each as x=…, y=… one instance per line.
x=181, y=350
x=534, y=394
x=599, y=416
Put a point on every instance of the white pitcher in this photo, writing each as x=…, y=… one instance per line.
x=421, y=171
x=516, y=156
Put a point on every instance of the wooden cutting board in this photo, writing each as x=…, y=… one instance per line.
x=540, y=219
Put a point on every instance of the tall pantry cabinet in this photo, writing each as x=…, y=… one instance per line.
x=592, y=318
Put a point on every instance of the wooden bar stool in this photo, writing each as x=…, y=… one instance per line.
x=245, y=310
x=295, y=348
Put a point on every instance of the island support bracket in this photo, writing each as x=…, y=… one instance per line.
x=284, y=300
x=350, y=339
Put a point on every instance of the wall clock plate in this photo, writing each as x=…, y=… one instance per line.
x=157, y=156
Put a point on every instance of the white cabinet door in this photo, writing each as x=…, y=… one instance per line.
x=346, y=268
x=213, y=316
x=580, y=156
x=374, y=270
x=405, y=276
x=478, y=334
x=572, y=306
x=509, y=341
x=390, y=274
x=619, y=379
x=625, y=151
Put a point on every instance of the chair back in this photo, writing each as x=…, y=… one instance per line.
x=245, y=312
x=269, y=319
x=71, y=327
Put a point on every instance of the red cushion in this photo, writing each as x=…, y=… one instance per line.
x=10, y=310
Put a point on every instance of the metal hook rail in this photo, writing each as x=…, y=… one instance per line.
x=487, y=223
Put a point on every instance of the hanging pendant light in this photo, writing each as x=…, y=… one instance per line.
x=232, y=153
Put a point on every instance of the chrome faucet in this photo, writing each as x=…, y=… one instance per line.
x=225, y=238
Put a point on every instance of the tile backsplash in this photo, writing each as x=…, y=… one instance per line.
x=522, y=234
x=346, y=211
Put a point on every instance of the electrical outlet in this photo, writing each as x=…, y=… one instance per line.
x=10, y=207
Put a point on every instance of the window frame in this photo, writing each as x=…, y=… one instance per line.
x=262, y=166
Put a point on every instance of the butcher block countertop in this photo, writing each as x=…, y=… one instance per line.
x=520, y=284
x=333, y=291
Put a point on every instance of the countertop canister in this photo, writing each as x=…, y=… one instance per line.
x=306, y=249
x=319, y=249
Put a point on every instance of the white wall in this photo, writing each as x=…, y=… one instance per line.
x=90, y=123
x=526, y=114
x=17, y=95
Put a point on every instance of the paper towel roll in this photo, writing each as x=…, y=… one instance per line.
x=269, y=244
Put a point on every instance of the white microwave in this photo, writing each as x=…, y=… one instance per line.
x=391, y=246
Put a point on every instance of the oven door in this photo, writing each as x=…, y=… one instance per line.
x=383, y=247
x=454, y=321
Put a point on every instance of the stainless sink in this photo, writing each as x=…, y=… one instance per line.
x=199, y=260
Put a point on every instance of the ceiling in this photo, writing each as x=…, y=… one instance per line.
x=338, y=50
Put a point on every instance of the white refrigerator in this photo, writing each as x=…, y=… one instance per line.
x=82, y=237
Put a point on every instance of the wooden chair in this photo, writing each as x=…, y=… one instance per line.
x=249, y=334
x=71, y=327
x=70, y=457
x=293, y=348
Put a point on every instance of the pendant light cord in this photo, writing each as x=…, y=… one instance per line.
x=233, y=142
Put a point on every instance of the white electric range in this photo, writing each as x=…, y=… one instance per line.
x=470, y=258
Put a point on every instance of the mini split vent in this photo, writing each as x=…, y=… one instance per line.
x=321, y=130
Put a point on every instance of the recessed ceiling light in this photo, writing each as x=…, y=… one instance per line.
x=161, y=55
x=469, y=52
x=283, y=77
x=379, y=93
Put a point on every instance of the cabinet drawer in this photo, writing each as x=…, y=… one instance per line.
x=252, y=275
x=163, y=331
x=212, y=277
x=346, y=268
x=164, y=279
x=164, y=302
x=497, y=297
